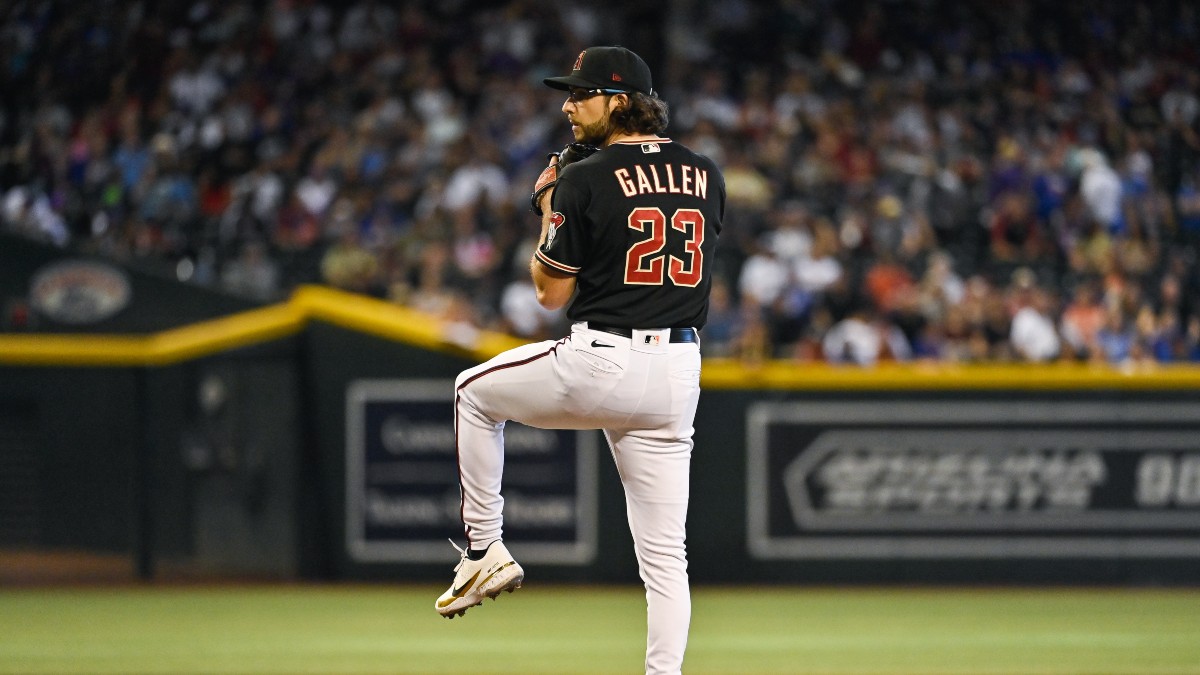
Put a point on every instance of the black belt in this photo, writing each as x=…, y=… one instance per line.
x=677, y=334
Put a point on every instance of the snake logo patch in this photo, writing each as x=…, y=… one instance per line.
x=556, y=221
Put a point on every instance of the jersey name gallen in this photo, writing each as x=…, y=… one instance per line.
x=685, y=180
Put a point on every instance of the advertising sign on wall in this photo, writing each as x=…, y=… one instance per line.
x=958, y=479
x=402, y=496
x=80, y=292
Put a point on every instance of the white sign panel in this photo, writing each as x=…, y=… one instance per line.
x=948, y=479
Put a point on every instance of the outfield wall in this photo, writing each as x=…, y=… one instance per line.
x=313, y=439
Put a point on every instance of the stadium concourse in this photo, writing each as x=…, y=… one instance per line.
x=907, y=180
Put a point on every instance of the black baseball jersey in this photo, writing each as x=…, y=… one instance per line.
x=637, y=224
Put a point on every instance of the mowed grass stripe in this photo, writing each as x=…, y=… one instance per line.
x=957, y=631
x=577, y=629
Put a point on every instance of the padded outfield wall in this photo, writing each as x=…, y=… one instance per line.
x=313, y=439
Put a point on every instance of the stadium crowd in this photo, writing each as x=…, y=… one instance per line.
x=971, y=182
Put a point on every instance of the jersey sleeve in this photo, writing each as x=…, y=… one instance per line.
x=566, y=245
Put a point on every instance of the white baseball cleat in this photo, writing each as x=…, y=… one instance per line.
x=475, y=580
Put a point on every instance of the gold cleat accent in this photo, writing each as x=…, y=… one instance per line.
x=496, y=573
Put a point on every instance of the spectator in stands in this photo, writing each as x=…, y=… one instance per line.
x=864, y=338
x=252, y=274
x=520, y=312
x=1082, y=319
x=349, y=265
x=720, y=334
x=1033, y=335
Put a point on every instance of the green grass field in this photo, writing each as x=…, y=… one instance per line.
x=569, y=629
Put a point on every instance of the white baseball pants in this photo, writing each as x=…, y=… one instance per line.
x=642, y=391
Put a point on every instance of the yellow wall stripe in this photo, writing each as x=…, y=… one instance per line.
x=73, y=350
x=169, y=346
x=726, y=374
x=218, y=335
x=386, y=320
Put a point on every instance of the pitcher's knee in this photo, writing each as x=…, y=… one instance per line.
x=665, y=554
x=462, y=379
x=465, y=390
x=664, y=563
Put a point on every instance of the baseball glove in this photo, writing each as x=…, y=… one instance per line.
x=549, y=178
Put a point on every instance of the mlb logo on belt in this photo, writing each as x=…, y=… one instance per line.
x=653, y=339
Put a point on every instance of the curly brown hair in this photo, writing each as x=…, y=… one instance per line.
x=644, y=115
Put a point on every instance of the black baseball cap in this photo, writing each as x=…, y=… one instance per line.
x=606, y=68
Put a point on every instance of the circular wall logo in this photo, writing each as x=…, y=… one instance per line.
x=79, y=292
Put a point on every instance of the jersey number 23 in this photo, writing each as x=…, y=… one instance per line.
x=644, y=261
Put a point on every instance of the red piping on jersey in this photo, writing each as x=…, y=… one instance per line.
x=462, y=499
x=555, y=264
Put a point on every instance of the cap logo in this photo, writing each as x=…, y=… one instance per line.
x=579, y=60
x=616, y=77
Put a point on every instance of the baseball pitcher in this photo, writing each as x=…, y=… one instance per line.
x=630, y=221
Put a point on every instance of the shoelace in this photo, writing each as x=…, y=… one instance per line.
x=462, y=552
